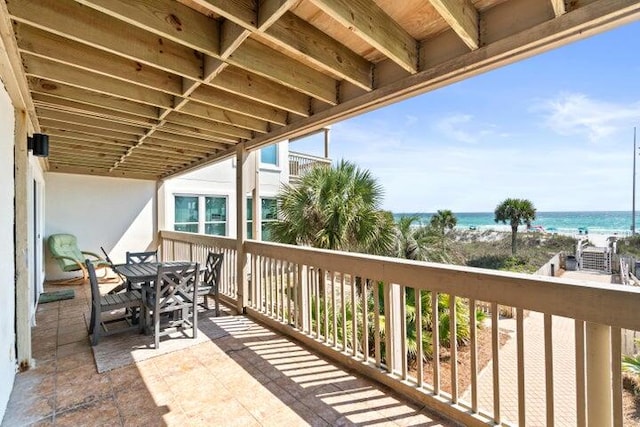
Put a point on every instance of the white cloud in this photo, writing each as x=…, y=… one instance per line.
x=577, y=114
x=467, y=128
x=453, y=128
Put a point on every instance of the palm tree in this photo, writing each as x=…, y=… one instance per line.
x=411, y=239
x=335, y=208
x=442, y=222
x=516, y=212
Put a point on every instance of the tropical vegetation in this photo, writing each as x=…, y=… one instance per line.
x=516, y=212
x=337, y=208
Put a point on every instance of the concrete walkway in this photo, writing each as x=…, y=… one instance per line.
x=564, y=376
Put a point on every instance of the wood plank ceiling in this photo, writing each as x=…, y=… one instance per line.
x=151, y=88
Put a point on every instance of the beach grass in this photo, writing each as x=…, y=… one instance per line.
x=492, y=250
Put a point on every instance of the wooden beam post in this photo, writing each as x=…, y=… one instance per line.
x=241, y=229
x=599, y=397
x=23, y=300
x=326, y=142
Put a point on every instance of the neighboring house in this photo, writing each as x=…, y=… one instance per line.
x=204, y=201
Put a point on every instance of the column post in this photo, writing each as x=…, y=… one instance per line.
x=241, y=229
x=599, y=397
x=23, y=288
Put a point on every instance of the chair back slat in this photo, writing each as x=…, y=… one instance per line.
x=93, y=280
x=213, y=268
x=141, y=257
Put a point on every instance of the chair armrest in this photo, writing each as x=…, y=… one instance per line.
x=93, y=254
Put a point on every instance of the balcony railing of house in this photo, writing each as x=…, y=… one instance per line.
x=353, y=308
x=300, y=163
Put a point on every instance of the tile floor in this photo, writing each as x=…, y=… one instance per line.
x=251, y=377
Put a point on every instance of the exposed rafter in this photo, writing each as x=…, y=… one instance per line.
x=559, y=7
x=368, y=21
x=462, y=17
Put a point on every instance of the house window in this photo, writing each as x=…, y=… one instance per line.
x=215, y=216
x=186, y=217
x=201, y=214
x=269, y=155
x=269, y=215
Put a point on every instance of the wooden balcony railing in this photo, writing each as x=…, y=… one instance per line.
x=353, y=308
x=300, y=163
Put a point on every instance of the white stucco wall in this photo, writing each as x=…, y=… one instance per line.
x=220, y=180
x=7, y=280
x=119, y=214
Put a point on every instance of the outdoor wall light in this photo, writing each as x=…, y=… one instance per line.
x=39, y=144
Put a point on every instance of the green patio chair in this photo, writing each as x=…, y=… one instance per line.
x=64, y=249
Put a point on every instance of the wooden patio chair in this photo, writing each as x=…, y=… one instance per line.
x=210, y=286
x=174, y=292
x=106, y=303
x=64, y=249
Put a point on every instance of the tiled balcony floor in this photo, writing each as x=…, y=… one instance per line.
x=248, y=378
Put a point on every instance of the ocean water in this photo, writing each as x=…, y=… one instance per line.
x=603, y=222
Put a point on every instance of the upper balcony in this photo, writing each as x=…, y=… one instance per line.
x=300, y=163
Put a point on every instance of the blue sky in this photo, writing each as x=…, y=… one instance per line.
x=556, y=129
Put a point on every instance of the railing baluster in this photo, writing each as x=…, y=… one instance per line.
x=354, y=318
x=495, y=343
x=310, y=299
x=548, y=365
x=403, y=331
x=453, y=348
x=280, y=271
x=616, y=375
x=365, y=320
x=420, y=352
x=581, y=383
x=295, y=283
x=521, y=382
x=435, y=336
x=334, y=313
x=376, y=325
x=290, y=289
x=254, y=281
x=473, y=327
x=316, y=282
x=325, y=305
x=343, y=307
x=270, y=276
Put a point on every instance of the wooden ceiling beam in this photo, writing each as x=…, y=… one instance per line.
x=72, y=20
x=62, y=104
x=80, y=145
x=216, y=128
x=462, y=17
x=98, y=100
x=182, y=138
x=59, y=49
x=220, y=115
x=81, y=119
x=368, y=21
x=167, y=18
x=135, y=158
x=192, y=148
x=257, y=88
x=196, y=32
x=304, y=41
x=70, y=169
x=55, y=124
x=239, y=104
x=41, y=68
x=559, y=7
x=192, y=131
x=72, y=136
x=257, y=58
